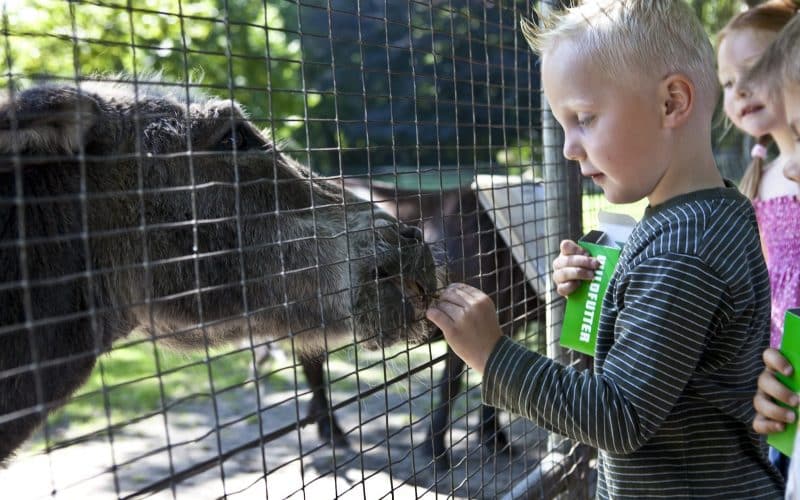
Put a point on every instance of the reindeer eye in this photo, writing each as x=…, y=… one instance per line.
x=238, y=138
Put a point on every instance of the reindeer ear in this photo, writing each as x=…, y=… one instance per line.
x=46, y=120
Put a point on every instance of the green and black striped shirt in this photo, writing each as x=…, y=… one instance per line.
x=683, y=325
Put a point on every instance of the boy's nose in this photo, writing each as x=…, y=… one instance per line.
x=573, y=150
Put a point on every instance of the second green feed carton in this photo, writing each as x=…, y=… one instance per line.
x=790, y=348
x=582, y=314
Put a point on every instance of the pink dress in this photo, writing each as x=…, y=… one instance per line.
x=779, y=222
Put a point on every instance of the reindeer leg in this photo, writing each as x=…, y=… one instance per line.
x=449, y=388
x=327, y=426
x=493, y=436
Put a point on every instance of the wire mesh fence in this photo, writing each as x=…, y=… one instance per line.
x=189, y=312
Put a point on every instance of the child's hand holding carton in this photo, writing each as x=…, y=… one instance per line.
x=582, y=314
x=790, y=349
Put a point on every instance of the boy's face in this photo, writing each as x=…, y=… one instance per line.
x=791, y=101
x=751, y=109
x=613, y=131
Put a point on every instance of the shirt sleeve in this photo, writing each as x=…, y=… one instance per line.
x=668, y=306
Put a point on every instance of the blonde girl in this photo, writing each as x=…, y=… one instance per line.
x=759, y=112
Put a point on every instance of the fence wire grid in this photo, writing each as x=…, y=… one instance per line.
x=189, y=312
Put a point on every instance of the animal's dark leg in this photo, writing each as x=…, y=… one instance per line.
x=492, y=435
x=64, y=359
x=327, y=426
x=449, y=387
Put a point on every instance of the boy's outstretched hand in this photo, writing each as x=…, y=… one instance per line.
x=468, y=319
x=571, y=267
x=770, y=416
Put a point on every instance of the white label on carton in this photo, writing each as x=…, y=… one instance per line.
x=618, y=227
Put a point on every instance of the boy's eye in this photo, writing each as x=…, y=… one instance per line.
x=585, y=121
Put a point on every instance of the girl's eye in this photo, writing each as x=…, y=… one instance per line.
x=585, y=121
x=727, y=84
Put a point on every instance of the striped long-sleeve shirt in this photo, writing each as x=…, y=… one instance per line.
x=683, y=325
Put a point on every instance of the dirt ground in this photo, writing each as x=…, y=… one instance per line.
x=385, y=429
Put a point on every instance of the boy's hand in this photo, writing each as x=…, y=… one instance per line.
x=468, y=319
x=770, y=416
x=572, y=266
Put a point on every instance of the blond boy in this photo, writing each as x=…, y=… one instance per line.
x=686, y=315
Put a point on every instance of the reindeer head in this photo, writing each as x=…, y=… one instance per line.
x=195, y=226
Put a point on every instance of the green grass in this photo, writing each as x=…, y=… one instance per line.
x=136, y=379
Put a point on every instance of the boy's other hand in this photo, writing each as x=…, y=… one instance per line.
x=468, y=319
x=572, y=266
x=770, y=416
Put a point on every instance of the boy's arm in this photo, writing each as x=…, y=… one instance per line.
x=672, y=304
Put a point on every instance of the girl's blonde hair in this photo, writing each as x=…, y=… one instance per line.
x=626, y=38
x=771, y=16
x=781, y=60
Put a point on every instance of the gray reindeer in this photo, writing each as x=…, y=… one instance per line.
x=127, y=209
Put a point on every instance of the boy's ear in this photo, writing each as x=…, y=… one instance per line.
x=677, y=95
x=51, y=120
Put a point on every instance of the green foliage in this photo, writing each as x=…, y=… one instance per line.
x=350, y=83
x=230, y=48
x=419, y=84
x=715, y=14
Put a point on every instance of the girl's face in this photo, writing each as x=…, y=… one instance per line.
x=753, y=110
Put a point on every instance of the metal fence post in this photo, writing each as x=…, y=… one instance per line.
x=563, y=211
x=565, y=466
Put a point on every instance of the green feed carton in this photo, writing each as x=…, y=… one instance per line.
x=582, y=314
x=790, y=348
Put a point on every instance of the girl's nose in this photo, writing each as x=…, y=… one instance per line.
x=792, y=169
x=742, y=91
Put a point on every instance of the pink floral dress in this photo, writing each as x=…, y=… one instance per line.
x=779, y=222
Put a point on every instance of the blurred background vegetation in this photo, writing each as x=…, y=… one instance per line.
x=353, y=86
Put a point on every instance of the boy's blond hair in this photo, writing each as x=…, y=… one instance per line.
x=626, y=37
x=780, y=63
